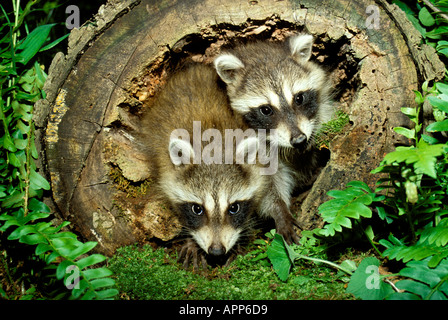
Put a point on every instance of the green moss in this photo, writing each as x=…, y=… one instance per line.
x=144, y=273
x=332, y=128
x=132, y=189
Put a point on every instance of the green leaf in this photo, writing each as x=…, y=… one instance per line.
x=424, y=157
x=97, y=273
x=411, y=112
x=442, y=87
x=106, y=294
x=77, y=292
x=42, y=248
x=13, y=160
x=82, y=249
x=439, y=103
x=8, y=144
x=408, y=133
x=419, y=251
x=279, y=257
x=349, y=203
x=437, y=234
x=424, y=282
x=102, y=283
x=61, y=270
x=360, y=185
x=38, y=181
x=426, y=18
x=20, y=144
x=90, y=260
x=33, y=239
x=21, y=231
x=33, y=43
x=54, y=43
x=366, y=283
x=437, y=32
x=39, y=206
x=438, y=126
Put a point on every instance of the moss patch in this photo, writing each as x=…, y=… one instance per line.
x=145, y=273
x=331, y=129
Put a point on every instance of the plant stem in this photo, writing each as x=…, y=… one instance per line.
x=30, y=139
x=300, y=256
x=435, y=9
x=428, y=297
x=372, y=244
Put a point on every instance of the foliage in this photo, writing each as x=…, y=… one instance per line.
x=283, y=256
x=406, y=217
x=424, y=282
x=366, y=283
x=431, y=24
x=410, y=204
x=24, y=216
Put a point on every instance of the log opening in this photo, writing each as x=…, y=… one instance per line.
x=133, y=189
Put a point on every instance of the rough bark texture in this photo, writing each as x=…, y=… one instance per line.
x=114, y=67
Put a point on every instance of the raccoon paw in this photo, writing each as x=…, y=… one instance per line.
x=191, y=253
x=286, y=229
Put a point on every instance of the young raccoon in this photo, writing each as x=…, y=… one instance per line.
x=214, y=201
x=275, y=86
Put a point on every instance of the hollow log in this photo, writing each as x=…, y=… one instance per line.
x=115, y=65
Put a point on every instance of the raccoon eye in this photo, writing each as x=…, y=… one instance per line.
x=197, y=209
x=299, y=98
x=234, y=208
x=266, y=110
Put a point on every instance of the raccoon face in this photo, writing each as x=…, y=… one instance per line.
x=215, y=202
x=275, y=86
x=215, y=226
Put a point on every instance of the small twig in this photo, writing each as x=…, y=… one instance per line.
x=435, y=9
x=393, y=285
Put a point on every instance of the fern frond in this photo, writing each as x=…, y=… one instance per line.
x=424, y=282
x=437, y=235
x=396, y=249
x=351, y=203
x=74, y=268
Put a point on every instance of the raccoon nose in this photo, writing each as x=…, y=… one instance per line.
x=216, y=250
x=297, y=142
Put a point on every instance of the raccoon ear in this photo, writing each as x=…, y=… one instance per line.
x=301, y=46
x=226, y=66
x=181, y=151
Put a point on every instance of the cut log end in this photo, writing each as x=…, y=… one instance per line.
x=102, y=183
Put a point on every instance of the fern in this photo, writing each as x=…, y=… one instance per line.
x=396, y=249
x=424, y=282
x=21, y=185
x=423, y=157
x=437, y=235
x=351, y=203
x=52, y=243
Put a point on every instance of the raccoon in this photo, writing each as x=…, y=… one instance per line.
x=276, y=86
x=214, y=201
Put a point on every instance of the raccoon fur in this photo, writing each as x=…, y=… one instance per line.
x=275, y=86
x=215, y=202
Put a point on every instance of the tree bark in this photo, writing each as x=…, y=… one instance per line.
x=115, y=65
